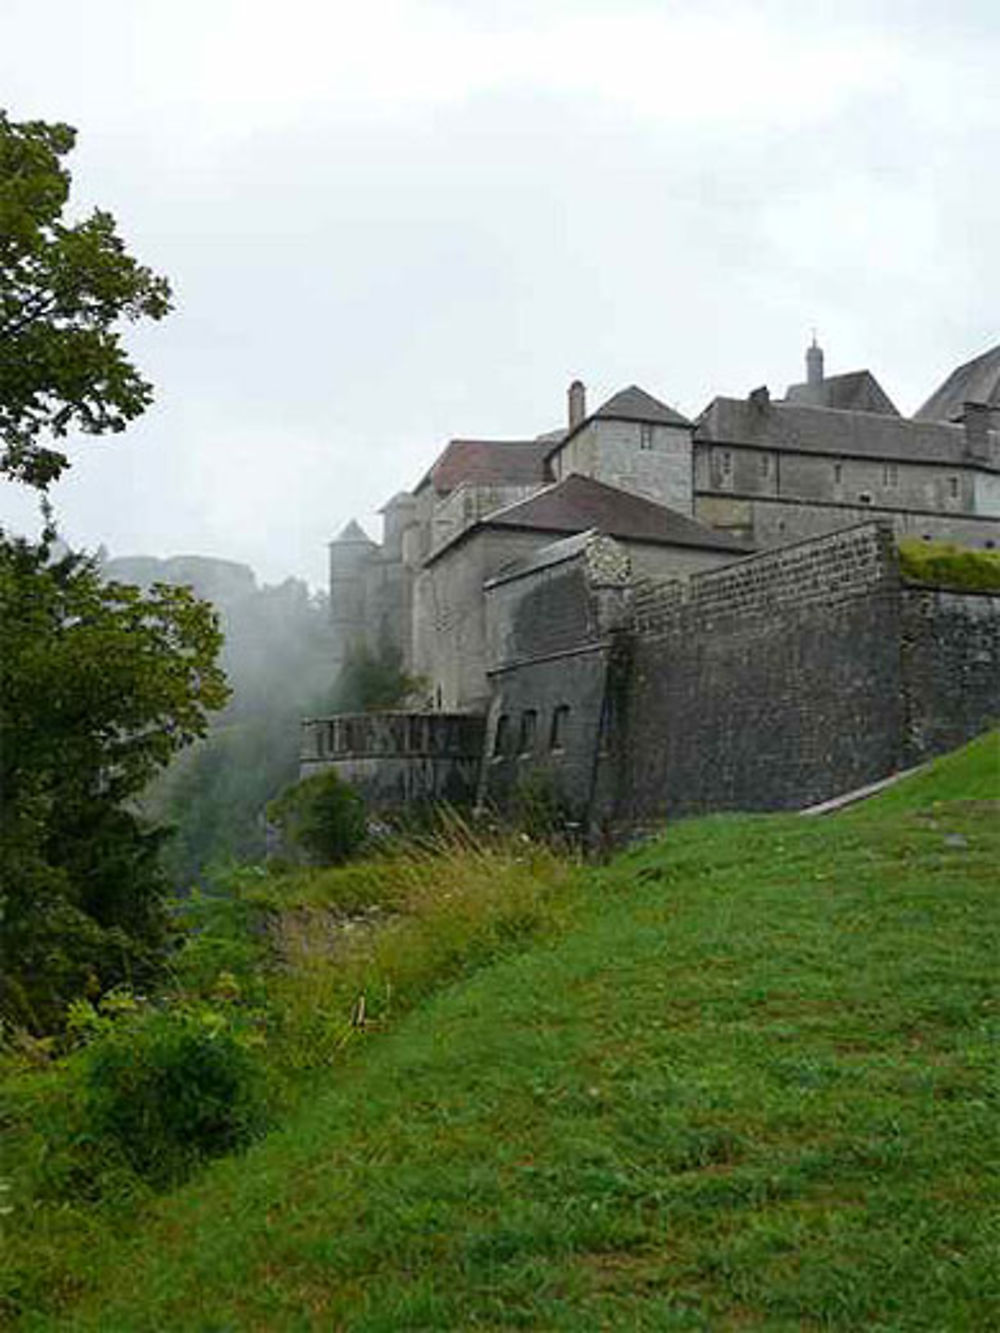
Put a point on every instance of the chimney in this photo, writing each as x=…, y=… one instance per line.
x=977, y=419
x=577, y=398
x=814, y=363
x=761, y=398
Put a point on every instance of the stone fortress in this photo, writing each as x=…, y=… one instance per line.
x=655, y=615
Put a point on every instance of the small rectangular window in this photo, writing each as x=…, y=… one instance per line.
x=765, y=465
x=890, y=475
x=645, y=437
x=838, y=474
x=560, y=720
x=529, y=727
x=953, y=487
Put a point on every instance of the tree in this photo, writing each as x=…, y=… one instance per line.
x=100, y=685
x=63, y=289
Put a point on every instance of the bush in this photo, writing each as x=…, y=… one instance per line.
x=171, y=1088
x=321, y=818
x=945, y=564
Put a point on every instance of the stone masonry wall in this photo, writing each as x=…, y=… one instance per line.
x=950, y=645
x=768, y=684
x=397, y=759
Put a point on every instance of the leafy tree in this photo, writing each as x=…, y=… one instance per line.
x=100, y=685
x=373, y=681
x=63, y=289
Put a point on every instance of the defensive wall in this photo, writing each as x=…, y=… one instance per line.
x=397, y=759
x=773, y=682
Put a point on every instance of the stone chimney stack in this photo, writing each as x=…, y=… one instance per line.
x=814, y=363
x=577, y=398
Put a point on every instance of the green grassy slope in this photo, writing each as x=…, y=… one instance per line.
x=753, y=1086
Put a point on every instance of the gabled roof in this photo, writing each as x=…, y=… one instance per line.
x=635, y=404
x=857, y=391
x=577, y=504
x=978, y=381
x=488, y=463
x=631, y=404
x=823, y=430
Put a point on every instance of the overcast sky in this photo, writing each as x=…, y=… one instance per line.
x=392, y=222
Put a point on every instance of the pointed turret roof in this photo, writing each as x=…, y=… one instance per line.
x=353, y=532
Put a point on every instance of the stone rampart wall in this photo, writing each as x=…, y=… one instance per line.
x=824, y=570
x=397, y=759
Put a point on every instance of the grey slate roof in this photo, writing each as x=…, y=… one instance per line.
x=577, y=504
x=857, y=391
x=978, y=381
x=635, y=404
x=824, y=430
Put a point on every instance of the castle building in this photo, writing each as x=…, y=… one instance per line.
x=750, y=473
x=653, y=616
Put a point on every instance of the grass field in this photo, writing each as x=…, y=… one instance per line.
x=750, y=1083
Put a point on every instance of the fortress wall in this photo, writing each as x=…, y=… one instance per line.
x=769, y=684
x=397, y=759
x=950, y=646
x=822, y=571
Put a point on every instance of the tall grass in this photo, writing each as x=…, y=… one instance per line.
x=361, y=945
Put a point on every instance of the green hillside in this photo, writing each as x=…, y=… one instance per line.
x=750, y=1083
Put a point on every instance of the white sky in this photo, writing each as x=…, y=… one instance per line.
x=396, y=221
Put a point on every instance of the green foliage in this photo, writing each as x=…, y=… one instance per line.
x=100, y=686
x=539, y=807
x=321, y=818
x=172, y=1088
x=747, y=1081
x=63, y=290
x=372, y=682
x=948, y=565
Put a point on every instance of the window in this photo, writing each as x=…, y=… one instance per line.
x=560, y=720
x=724, y=466
x=953, y=487
x=890, y=475
x=501, y=740
x=529, y=726
x=864, y=497
x=765, y=465
x=645, y=437
x=838, y=474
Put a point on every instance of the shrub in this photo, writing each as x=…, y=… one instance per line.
x=171, y=1088
x=946, y=564
x=321, y=818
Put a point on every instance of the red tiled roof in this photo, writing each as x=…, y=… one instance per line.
x=489, y=463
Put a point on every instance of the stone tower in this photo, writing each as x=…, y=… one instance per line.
x=351, y=557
